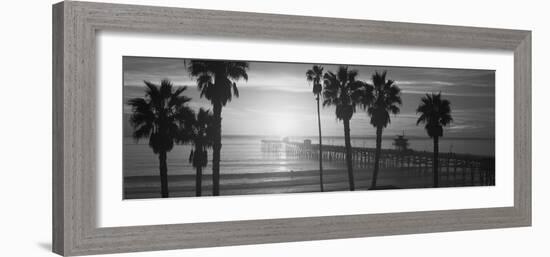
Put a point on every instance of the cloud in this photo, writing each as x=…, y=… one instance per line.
x=278, y=90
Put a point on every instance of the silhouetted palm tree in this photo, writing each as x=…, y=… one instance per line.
x=341, y=90
x=157, y=116
x=217, y=82
x=386, y=98
x=198, y=131
x=315, y=75
x=435, y=113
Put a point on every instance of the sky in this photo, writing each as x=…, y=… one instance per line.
x=278, y=101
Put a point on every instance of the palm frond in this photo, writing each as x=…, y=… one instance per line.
x=342, y=74
x=204, y=81
x=176, y=99
x=342, y=91
x=435, y=113
x=216, y=80
x=386, y=100
x=165, y=88
x=352, y=74
x=237, y=70
x=310, y=75
x=315, y=74
x=142, y=131
x=235, y=90
x=160, y=115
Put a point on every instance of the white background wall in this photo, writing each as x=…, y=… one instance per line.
x=25, y=127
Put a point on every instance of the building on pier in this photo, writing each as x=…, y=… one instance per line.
x=401, y=143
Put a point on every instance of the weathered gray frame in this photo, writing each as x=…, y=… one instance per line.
x=74, y=154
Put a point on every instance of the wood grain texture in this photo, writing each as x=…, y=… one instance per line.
x=522, y=128
x=57, y=131
x=74, y=124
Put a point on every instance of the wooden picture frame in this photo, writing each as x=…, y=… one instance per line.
x=74, y=130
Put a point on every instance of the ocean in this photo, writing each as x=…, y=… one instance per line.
x=243, y=154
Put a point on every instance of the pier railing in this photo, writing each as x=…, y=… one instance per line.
x=466, y=168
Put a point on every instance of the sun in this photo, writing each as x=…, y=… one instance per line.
x=282, y=125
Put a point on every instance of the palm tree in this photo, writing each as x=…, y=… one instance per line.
x=315, y=75
x=384, y=98
x=198, y=132
x=341, y=90
x=217, y=82
x=157, y=116
x=435, y=113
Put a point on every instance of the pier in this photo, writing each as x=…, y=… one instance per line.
x=454, y=169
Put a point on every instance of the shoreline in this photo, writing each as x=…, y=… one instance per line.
x=142, y=187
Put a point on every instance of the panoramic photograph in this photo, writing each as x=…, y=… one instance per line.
x=205, y=127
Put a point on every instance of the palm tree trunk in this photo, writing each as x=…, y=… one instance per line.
x=217, y=146
x=348, y=155
x=320, y=146
x=436, y=161
x=377, y=156
x=163, y=174
x=198, y=182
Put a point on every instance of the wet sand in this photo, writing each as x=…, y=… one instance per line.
x=288, y=182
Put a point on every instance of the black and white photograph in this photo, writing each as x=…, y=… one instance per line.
x=137, y=128
x=197, y=127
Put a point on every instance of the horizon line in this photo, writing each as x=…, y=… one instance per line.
x=355, y=137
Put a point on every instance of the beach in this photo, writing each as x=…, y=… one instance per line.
x=140, y=187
